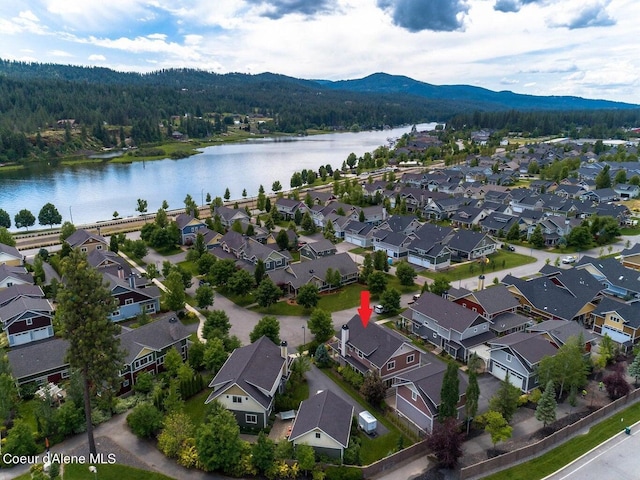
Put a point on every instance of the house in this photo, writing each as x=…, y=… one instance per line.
x=10, y=256
x=189, y=227
x=375, y=348
x=418, y=398
x=132, y=301
x=468, y=217
x=395, y=245
x=14, y=276
x=470, y=245
x=86, y=241
x=106, y=261
x=447, y=325
x=145, y=348
x=405, y=224
x=249, y=251
x=359, y=233
x=518, y=355
x=600, y=195
x=321, y=248
x=228, y=216
x=558, y=332
x=323, y=422
x=288, y=207
x=428, y=249
x=621, y=321
x=499, y=224
x=559, y=295
x=490, y=302
x=314, y=272
x=15, y=292
x=40, y=362
x=630, y=257
x=27, y=319
x=626, y=191
x=617, y=280
x=248, y=381
x=553, y=229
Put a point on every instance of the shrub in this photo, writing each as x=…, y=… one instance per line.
x=145, y=420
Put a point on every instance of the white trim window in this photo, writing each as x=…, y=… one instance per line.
x=251, y=418
x=236, y=399
x=411, y=358
x=142, y=362
x=414, y=396
x=391, y=365
x=128, y=301
x=509, y=357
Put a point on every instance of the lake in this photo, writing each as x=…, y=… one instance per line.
x=89, y=193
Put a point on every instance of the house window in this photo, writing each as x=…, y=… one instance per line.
x=360, y=354
x=150, y=307
x=464, y=304
x=236, y=399
x=29, y=321
x=435, y=335
x=141, y=362
x=128, y=301
x=475, y=329
x=251, y=418
x=411, y=358
x=83, y=249
x=474, y=309
x=508, y=357
x=391, y=365
x=99, y=247
x=65, y=374
x=317, y=434
x=116, y=313
x=125, y=384
x=414, y=396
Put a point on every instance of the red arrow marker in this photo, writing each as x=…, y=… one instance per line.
x=365, y=310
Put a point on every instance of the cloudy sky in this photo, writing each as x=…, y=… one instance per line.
x=587, y=48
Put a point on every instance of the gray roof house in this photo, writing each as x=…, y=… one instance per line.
x=10, y=255
x=375, y=348
x=248, y=381
x=323, y=422
x=447, y=325
x=470, y=245
x=418, y=394
x=321, y=248
x=517, y=355
x=621, y=321
x=27, y=319
x=14, y=276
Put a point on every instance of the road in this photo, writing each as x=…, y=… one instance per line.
x=615, y=458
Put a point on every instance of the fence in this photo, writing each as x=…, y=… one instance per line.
x=538, y=448
x=391, y=461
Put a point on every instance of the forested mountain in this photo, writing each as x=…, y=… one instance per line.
x=108, y=106
x=490, y=100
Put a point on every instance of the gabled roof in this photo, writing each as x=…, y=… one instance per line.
x=20, y=290
x=495, y=299
x=377, y=343
x=529, y=347
x=562, y=330
x=11, y=251
x=629, y=312
x=25, y=304
x=322, y=245
x=19, y=273
x=325, y=411
x=616, y=273
x=38, y=357
x=115, y=283
x=466, y=240
x=81, y=236
x=156, y=335
x=447, y=314
x=298, y=274
x=428, y=381
x=562, y=294
x=508, y=320
x=255, y=368
x=399, y=223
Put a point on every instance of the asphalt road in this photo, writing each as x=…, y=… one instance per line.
x=615, y=458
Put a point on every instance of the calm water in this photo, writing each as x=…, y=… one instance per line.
x=90, y=193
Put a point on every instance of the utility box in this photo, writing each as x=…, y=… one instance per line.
x=367, y=422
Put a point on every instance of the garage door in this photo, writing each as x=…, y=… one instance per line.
x=419, y=261
x=20, y=338
x=40, y=333
x=500, y=372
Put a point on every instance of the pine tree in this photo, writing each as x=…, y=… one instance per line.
x=472, y=396
x=449, y=393
x=84, y=311
x=634, y=368
x=546, y=409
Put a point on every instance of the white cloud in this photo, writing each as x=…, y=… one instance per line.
x=60, y=53
x=97, y=58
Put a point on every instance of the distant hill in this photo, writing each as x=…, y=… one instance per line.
x=389, y=84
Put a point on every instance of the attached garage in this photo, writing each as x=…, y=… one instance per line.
x=500, y=371
x=422, y=262
x=19, y=338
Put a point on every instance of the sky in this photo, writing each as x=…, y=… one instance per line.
x=586, y=48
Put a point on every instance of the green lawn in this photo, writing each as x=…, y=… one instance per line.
x=190, y=267
x=548, y=463
x=240, y=300
x=500, y=260
x=361, y=250
x=281, y=308
x=77, y=471
x=195, y=407
x=393, y=282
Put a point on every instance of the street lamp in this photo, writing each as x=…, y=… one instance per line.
x=304, y=336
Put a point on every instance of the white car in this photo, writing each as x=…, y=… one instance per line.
x=569, y=259
x=379, y=309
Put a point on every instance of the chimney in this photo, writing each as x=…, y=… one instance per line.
x=344, y=338
x=285, y=354
x=481, y=282
x=132, y=281
x=121, y=273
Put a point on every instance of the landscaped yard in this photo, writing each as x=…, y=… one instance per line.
x=500, y=260
x=361, y=250
x=79, y=471
x=195, y=407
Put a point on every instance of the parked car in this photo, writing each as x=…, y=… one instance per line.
x=511, y=248
x=569, y=259
x=379, y=309
x=413, y=300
